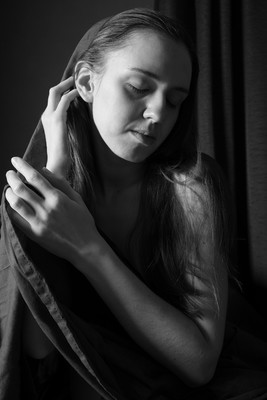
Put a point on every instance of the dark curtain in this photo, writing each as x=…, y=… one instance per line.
x=231, y=42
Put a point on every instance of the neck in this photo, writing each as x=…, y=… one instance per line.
x=114, y=174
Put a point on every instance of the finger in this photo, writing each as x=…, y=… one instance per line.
x=56, y=92
x=23, y=212
x=23, y=191
x=61, y=184
x=32, y=176
x=65, y=101
x=16, y=218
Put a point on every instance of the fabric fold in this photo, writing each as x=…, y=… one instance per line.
x=26, y=283
x=81, y=327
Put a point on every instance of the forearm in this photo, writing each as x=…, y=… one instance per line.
x=163, y=331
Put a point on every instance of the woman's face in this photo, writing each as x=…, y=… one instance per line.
x=137, y=99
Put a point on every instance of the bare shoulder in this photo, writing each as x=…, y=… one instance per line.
x=194, y=198
x=201, y=192
x=203, y=200
x=190, y=191
x=193, y=195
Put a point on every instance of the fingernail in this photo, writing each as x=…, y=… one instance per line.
x=9, y=172
x=14, y=160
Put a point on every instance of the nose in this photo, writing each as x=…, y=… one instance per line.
x=155, y=108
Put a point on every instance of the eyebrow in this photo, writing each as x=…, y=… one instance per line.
x=155, y=76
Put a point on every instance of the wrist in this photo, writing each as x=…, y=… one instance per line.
x=88, y=257
x=58, y=167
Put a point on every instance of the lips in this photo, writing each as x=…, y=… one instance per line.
x=144, y=137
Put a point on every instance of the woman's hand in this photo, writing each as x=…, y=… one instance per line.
x=51, y=213
x=54, y=122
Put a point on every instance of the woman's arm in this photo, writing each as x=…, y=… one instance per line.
x=60, y=222
x=189, y=348
x=35, y=342
x=54, y=123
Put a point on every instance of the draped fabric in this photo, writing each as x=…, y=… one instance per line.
x=230, y=38
x=88, y=337
x=90, y=340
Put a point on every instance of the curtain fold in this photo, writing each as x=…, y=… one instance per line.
x=255, y=95
x=230, y=38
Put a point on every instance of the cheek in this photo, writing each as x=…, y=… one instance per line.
x=113, y=110
x=103, y=110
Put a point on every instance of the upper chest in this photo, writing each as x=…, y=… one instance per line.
x=117, y=219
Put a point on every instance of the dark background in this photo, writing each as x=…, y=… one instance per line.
x=38, y=38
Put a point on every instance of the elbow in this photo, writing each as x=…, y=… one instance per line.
x=201, y=378
x=200, y=373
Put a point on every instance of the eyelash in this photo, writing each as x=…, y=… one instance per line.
x=137, y=90
x=173, y=105
x=143, y=91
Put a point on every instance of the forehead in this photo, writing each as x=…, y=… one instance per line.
x=153, y=52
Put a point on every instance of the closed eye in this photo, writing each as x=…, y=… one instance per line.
x=137, y=90
x=174, y=104
x=175, y=101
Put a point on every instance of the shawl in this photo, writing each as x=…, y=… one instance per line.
x=85, y=333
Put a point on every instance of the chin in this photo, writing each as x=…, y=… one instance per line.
x=133, y=158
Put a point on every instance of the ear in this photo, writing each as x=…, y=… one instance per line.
x=84, y=81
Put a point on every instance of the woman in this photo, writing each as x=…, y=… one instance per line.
x=142, y=217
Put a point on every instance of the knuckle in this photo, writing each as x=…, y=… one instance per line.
x=43, y=217
x=17, y=203
x=33, y=177
x=52, y=90
x=55, y=195
x=19, y=188
x=47, y=120
x=54, y=199
x=44, y=116
x=40, y=229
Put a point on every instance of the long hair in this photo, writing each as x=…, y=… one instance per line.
x=163, y=224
